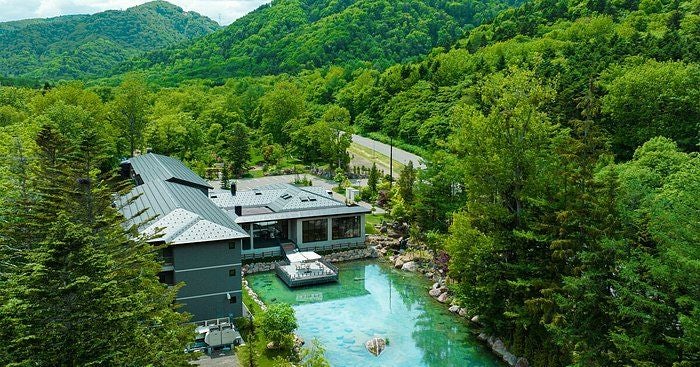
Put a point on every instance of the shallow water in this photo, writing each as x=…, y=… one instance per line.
x=375, y=300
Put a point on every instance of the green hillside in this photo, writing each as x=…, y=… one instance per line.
x=79, y=46
x=291, y=35
x=561, y=138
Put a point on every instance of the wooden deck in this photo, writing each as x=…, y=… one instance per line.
x=301, y=274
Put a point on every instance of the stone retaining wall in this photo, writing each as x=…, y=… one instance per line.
x=354, y=254
x=407, y=261
x=254, y=296
x=349, y=255
x=261, y=267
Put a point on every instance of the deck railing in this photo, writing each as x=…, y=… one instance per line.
x=334, y=247
x=261, y=255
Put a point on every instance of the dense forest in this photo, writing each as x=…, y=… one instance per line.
x=287, y=36
x=79, y=46
x=562, y=189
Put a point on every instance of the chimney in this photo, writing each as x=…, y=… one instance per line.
x=238, y=210
x=125, y=170
x=233, y=188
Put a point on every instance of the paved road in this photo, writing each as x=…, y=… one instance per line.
x=399, y=155
x=218, y=359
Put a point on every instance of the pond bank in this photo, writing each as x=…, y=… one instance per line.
x=416, y=261
x=374, y=300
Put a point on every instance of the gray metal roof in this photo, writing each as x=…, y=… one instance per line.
x=278, y=198
x=326, y=212
x=155, y=167
x=185, y=213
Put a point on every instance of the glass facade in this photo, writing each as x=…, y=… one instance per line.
x=314, y=230
x=269, y=234
x=347, y=227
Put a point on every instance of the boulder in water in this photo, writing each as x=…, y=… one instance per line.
x=376, y=345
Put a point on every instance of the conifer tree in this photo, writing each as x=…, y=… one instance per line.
x=373, y=179
x=87, y=293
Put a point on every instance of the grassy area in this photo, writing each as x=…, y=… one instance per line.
x=372, y=156
x=265, y=356
x=371, y=220
x=398, y=143
x=253, y=307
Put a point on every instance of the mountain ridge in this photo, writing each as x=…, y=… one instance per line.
x=79, y=46
x=288, y=36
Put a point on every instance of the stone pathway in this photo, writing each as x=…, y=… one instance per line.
x=218, y=359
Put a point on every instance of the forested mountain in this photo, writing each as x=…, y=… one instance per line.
x=79, y=46
x=291, y=35
x=561, y=191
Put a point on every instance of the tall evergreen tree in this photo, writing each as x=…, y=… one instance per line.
x=373, y=179
x=407, y=178
x=88, y=293
x=235, y=145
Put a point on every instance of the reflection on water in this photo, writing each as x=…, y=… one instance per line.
x=376, y=300
x=271, y=289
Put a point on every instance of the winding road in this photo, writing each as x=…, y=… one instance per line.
x=399, y=155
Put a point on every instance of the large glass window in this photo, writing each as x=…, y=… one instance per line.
x=314, y=230
x=269, y=234
x=347, y=227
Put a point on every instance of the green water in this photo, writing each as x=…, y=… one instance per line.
x=375, y=300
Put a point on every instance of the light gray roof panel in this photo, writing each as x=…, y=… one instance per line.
x=278, y=198
x=162, y=198
x=155, y=167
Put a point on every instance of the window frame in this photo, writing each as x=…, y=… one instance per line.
x=318, y=233
x=346, y=227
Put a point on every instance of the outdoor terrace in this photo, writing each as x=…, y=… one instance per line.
x=309, y=272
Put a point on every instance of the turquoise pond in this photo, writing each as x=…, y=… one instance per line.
x=370, y=300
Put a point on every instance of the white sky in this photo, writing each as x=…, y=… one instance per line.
x=222, y=11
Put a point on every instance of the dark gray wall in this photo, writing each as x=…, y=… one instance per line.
x=204, y=268
x=204, y=254
x=206, y=308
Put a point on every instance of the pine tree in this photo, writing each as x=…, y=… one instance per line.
x=224, y=176
x=407, y=179
x=373, y=179
x=87, y=293
x=236, y=147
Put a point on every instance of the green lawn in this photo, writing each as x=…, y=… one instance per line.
x=372, y=156
x=371, y=221
x=254, y=173
x=266, y=356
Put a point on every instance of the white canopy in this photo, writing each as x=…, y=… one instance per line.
x=310, y=255
x=299, y=257
x=296, y=257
